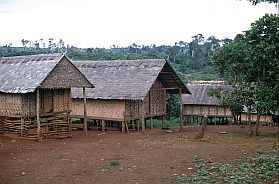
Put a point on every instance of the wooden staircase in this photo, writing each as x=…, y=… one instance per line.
x=130, y=125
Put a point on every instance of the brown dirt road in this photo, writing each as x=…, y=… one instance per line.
x=143, y=158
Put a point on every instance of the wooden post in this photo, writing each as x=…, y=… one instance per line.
x=138, y=125
x=142, y=117
x=181, y=108
x=103, y=126
x=185, y=120
x=38, y=115
x=164, y=121
x=84, y=113
x=21, y=126
x=123, y=126
x=151, y=123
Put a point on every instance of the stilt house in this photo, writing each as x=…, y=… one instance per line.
x=198, y=104
x=35, y=94
x=127, y=91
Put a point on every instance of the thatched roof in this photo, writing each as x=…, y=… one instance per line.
x=23, y=74
x=127, y=79
x=199, y=90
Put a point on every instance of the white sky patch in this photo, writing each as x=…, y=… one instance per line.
x=103, y=23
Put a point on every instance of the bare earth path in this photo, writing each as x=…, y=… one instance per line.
x=142, y=158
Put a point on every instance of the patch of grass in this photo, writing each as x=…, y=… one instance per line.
x=259, y=169
x=113, y=163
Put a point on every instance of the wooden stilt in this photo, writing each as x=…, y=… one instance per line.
x=151, y=123
x=38, y=115
x=142, y=118
x=185, y=120
x=163, y=121
x=103, y=126
x=123, y=123
x=181, y=108
x=21, y=126
x=84, y=113
x=138, y=125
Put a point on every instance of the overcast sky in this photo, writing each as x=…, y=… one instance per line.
x=102, y=23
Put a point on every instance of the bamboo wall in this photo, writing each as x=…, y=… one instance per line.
x=210, y=110
x=263, y=118
x=99, y=109
x=10, y=104
x=158, y=99
x=154, y=103
x=18, y=112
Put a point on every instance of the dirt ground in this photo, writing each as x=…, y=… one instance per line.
x=114, y=157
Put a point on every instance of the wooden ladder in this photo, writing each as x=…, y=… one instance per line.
x=132, y=125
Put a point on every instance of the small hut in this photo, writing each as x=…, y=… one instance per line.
x=127, y=91
x=198, y=104
x=35, y=94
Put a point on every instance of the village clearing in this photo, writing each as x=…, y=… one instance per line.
x=155, y=156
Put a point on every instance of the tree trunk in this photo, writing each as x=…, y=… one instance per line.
x=256, y=131
x=249, y=116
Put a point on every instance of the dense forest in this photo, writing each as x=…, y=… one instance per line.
x=191, y=60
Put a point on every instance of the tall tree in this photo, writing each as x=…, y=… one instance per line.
x=251, y=60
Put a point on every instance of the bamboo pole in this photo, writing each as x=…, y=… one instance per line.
x=181, y=108
x=38, y=114
x=142, y=118
x=21, y=126
x=84, y=113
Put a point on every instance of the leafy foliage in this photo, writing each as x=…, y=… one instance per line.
x=260, y=169
x=251, y=64
x=255, y=2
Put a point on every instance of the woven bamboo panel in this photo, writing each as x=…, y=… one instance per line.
x=206, y=109
x=132, y=108
x=103, y=109
x=29, y=104
x=146, y=105
x=263, y=117
x=46, y=101
x=61, y=100
x=10, y=105
x=157, y=98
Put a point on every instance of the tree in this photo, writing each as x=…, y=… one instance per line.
x=255, y=2
x=231, y=99
x=251, y=62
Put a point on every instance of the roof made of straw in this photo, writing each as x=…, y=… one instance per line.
x=126, y=79
x=200, y=89
x=24, y=74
